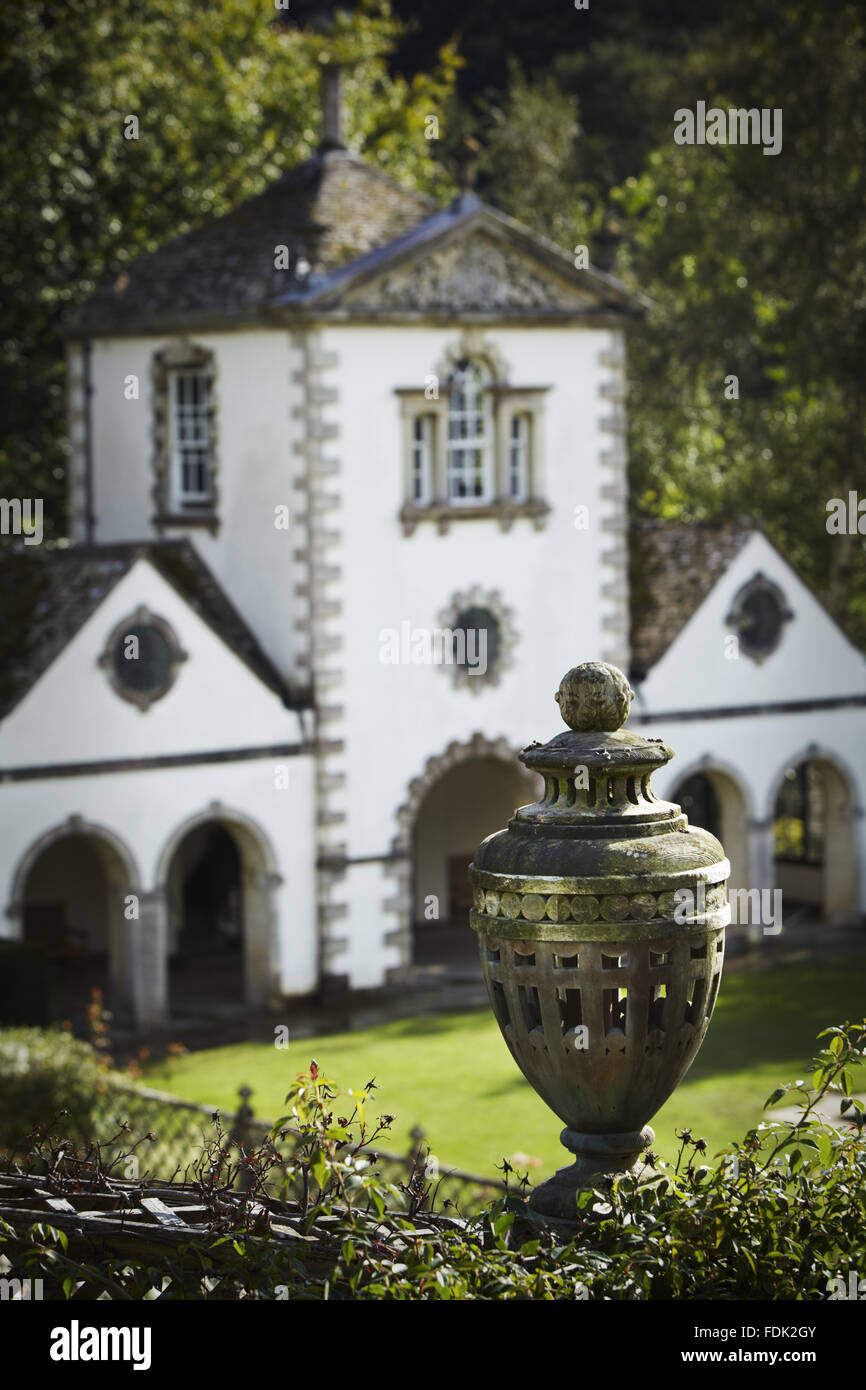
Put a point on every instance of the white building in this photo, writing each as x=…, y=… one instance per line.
x=336, y=414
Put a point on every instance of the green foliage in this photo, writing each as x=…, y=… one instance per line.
x=531, y=156
x=42, y=1074
x=782, y=1216
x=788, y=837
x=756, y=265
x=328, y=1155
x=757, y=269
x=428, y=1067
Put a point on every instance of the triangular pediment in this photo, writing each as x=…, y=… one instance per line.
x=109, y=721
x=468, y=263
x=473, y=273
x=700, y=643
x=50, y=594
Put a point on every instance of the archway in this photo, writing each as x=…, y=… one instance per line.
x=813, y=840
x=467, y=802
x=714, y=800
x=70, y=897
x=217, y=877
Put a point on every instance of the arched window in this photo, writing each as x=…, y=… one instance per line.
x=469, y=437
x=697, y=796
x=472, y=442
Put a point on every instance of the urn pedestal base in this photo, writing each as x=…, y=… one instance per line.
x=597, y=1156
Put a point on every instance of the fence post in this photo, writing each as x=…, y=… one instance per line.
x=241, y=1132
x=417, y=1135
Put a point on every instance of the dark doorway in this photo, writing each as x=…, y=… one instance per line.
x=815, y=841
x=206, y=922
x=698, y=798
x=73, y=914
x=459, y=887
x=467, y=803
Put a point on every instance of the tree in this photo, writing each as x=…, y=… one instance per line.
x=757, y=266
x=746, y=379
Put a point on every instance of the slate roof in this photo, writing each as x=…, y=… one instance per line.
x=48, y=593
x=331, y=209
x=673, y=568
x=345, y=218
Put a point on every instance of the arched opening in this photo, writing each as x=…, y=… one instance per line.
x=464, y=805
x=813, y=840
x=698, y=798
x=714, y=801
x=218, y=888
x=71, y=899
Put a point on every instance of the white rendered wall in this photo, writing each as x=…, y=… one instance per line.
x=550, y=578
x=755, y=750
x=73, y=715
x=386, y=577
x=813, y=661
x=146, y=809
x=254, y=398
x=396, y=717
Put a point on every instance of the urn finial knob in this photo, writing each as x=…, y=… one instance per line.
x=594, y=697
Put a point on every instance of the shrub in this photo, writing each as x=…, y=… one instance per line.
x=44, y=1072
x=782, y=1216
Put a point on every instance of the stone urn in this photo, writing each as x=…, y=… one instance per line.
x=601, y=917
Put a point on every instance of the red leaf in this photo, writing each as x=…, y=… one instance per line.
x=314, y=1071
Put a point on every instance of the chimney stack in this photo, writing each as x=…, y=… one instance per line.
x=332, y=108
x=320, y=17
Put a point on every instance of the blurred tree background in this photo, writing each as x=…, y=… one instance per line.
x=756, y=265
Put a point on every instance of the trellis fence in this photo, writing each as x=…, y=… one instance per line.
x=156, y=1135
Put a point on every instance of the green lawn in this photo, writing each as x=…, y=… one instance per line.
x=453, y=1074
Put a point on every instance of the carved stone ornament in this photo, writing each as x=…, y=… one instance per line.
x=600, y=915
x=474, y=273
x=500, y=642
x=473, y=346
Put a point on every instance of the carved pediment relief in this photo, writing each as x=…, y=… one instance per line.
x=477, y=272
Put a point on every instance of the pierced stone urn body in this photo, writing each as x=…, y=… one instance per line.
x=600, y=914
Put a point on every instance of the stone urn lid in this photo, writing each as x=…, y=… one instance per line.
x=598, y=815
